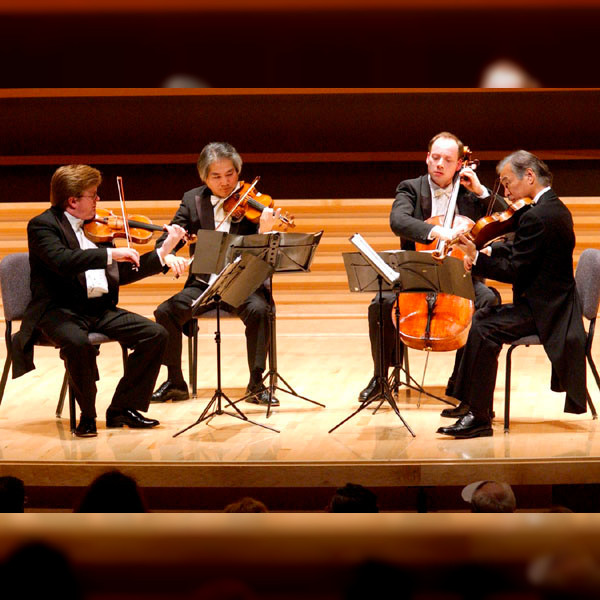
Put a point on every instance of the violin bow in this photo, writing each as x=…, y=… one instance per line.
x=124, y=213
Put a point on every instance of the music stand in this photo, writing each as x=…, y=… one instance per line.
x=232, y=286
x=285, y=252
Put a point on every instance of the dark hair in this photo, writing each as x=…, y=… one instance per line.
x=353, y=498
x=112, y=492
x=451, y=136
x=521, y=160
x=12, y=495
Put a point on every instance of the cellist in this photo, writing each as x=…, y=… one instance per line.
x=416, y=201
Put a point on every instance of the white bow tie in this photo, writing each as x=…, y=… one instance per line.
x=214, y=200
x=440, y=193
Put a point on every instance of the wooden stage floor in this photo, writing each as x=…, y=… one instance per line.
x=327, y=360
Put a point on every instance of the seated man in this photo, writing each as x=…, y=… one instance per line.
x=539, y=264
x=417, y=200
x=75, y=287
x=219, y=166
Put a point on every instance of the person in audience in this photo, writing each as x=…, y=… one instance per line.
x=416, y=201
x=12, y=495
x=75, y=290
x=112, y=492
x=353, y=498
x=246, y=505
x=490, y=497
x=219, y=166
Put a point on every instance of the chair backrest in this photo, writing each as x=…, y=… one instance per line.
x=587, y=279
x=15, y=274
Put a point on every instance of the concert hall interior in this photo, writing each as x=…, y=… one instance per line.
x=332, y=158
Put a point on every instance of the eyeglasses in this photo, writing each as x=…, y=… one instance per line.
x=94, y=197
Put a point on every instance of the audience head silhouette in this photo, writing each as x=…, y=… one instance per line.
x=12, y=495
x=112, y=492
x=353, y=498
x=246, y=505
x=490, y=497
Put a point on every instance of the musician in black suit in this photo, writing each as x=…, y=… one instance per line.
x=75, y=289
x=219, y=166
x=539, y=264
x=417, y=200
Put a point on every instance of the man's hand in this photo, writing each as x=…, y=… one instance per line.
x=268, y=219
x=175, y=234
x=177, y=264
x=469, y=179
x=126, y=255
x=468, y=247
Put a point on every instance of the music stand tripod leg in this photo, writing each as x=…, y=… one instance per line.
x=273, y=375
x=219, y=394
x=384, y=394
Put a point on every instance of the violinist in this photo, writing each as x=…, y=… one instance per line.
x=219, y=166
x=538, y=262
x=75, y=288
x=416, y=201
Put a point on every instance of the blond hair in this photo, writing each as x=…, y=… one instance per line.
x=70, y=181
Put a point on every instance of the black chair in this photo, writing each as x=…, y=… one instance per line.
x=587, y=279
x=15, y=274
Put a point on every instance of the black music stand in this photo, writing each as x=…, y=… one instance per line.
x=401, y=271
x=232, y=286
x=286, y=253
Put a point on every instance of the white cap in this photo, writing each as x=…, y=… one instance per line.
x=469, y=490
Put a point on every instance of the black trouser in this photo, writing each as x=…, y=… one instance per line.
x=69, y=331
x=476, y=374
x=175, y=312
x=484, y=296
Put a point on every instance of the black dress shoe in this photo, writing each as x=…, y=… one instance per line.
x=469, y=426
x=370, y=391
x=458, y=411
x=117, y=417
x=86, y=427
x=169, y=391
x=260, y=395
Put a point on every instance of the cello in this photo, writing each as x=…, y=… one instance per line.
x=434, y=321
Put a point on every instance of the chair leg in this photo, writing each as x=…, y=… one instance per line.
x=72, y=409
x=63, y=393
x=596, y=377
x=8, y=362
x=193, y=357
x=507, y=390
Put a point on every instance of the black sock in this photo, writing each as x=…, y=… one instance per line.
x=175, y=376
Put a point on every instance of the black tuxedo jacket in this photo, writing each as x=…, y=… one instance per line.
x=413, y=205
x=58, y=266
x=196, y=212
x=539, y=264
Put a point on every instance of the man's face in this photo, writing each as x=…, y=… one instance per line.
x=515, y=188
x=84, y=205
x=222, y=177
x=443, y=161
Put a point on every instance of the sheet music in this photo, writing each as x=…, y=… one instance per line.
x=374, y=259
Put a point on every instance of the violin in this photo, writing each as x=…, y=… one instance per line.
x=492, y=227
x=250, y=203
x=106, y=226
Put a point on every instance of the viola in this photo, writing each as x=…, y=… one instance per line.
x=250, y=203
x=494, y=226
x=106, y=226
